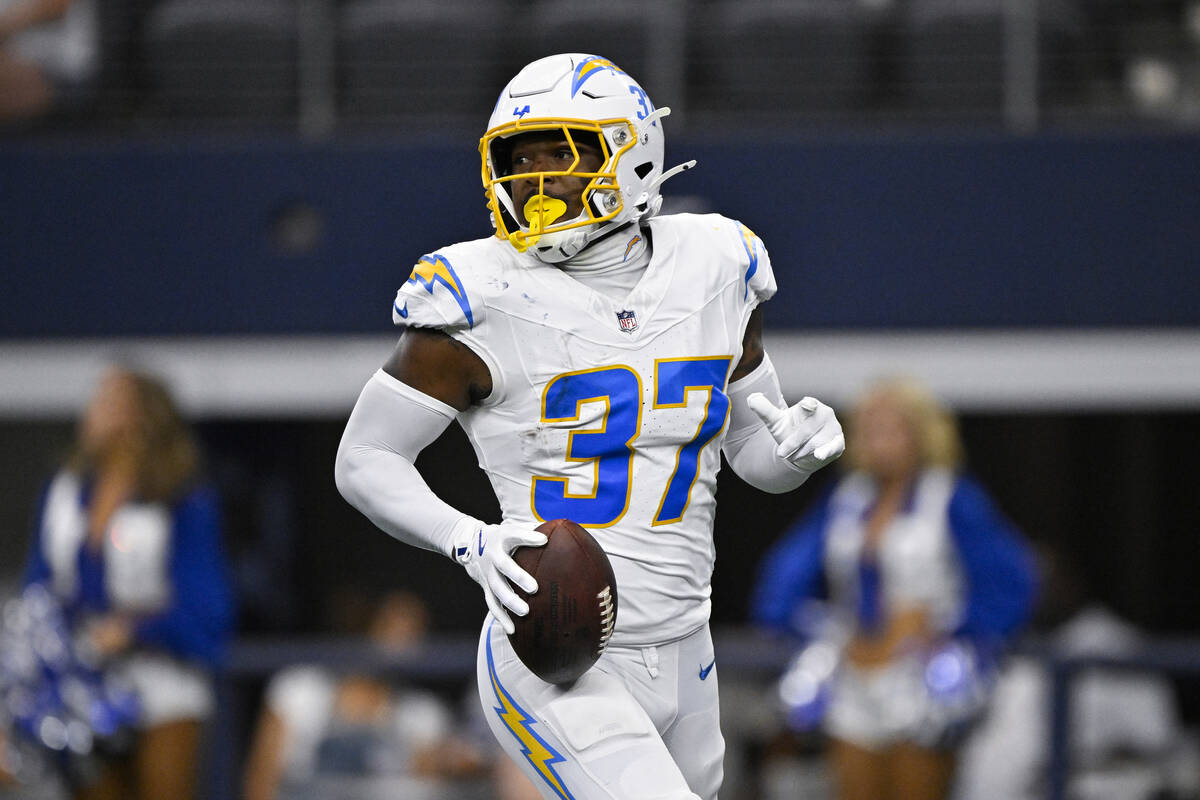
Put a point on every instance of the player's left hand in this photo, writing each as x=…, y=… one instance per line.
x=808, y=434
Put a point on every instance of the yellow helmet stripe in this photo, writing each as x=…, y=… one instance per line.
x=589, y=67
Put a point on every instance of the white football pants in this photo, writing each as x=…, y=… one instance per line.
x=641, y=724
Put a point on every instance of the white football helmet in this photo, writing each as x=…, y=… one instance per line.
x=579, y=95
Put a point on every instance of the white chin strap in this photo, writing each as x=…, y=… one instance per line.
x=558, y=246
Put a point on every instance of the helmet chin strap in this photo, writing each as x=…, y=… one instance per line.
x=590, y=236
x=558, y=246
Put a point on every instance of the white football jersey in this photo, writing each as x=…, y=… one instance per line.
x=609, y=413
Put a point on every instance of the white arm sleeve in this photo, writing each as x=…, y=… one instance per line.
x=749, y=446
x=391, y=423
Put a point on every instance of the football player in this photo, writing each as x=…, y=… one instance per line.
x=600, y=359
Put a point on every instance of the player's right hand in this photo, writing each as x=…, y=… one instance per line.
x=485, y=551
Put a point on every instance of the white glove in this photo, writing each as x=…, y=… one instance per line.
x=486, y=553
x=808, y=434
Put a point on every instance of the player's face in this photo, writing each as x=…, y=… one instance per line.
x=550, y=151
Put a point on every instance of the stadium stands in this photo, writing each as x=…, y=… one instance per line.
x=962, y=57
x=374, y=64
x=221, y=59
x=772, y=61
x=421, y=62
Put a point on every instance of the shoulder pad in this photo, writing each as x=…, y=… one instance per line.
x=737, y=249
x=438, y=294
x=757, y=277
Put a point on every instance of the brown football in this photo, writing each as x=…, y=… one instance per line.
x=573, y=612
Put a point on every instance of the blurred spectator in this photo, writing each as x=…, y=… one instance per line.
x=1126, y=738
x=48, y=55
x=128, y=550
x=925, y=580
x=1162, y=66
x=357, y=736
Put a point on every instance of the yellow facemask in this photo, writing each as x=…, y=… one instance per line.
x=544, y=212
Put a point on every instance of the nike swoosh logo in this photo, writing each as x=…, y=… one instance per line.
x=403, y=312
x=481, y=541
x=705, y=670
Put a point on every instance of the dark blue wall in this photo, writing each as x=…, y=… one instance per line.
x=142, y=238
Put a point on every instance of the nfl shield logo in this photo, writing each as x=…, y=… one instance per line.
x=627, y=320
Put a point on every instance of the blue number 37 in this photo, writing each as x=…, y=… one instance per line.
x=610, y=446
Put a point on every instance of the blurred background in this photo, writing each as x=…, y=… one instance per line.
x=998, y=197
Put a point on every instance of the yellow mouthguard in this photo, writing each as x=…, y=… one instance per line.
x=541, y=211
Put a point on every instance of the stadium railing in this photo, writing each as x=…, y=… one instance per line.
x=438, y=660
x=740, y=651
x=1174, y=657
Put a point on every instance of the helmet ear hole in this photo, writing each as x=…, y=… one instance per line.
x=644, y=169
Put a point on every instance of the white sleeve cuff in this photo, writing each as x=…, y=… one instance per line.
x=749, y=446
x=414, y=395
